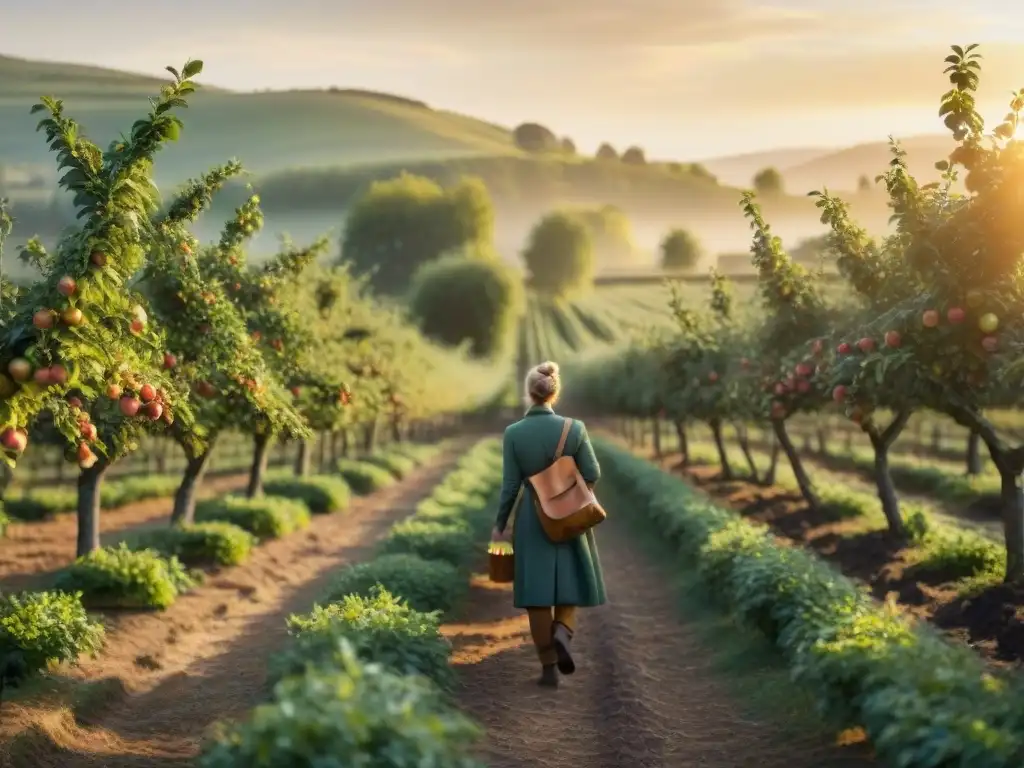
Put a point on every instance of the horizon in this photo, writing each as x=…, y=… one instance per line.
x=682, y=80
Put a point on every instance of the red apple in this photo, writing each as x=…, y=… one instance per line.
x=129, y=405
x=84, y=452
x=137, y=326
x=844, y=349
x=956, y=315
x=866, y=345
x=804, y=369
x=88, y=431
x=43, y=319
x=344, y=397
x=58, y=374
x=20, y=369
x=839, y=394
x=72, y=316
x=803, y=386
x=113, y=391
x=75, y=402
x=147, y=393
x=893, y=339
x=66, y=286
x=42, y=376
x=153, y=411
x=14, y=440
x=98, y=258
x=930, y=318
x=780, y=389
x=990, y=343
x=169, y=360
x=296, y=391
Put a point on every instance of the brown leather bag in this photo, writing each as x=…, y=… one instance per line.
x=566, y=505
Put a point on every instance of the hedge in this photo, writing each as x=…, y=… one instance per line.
x=265, y=517
x=42, y=503
x=120, y=577
x=922, y=701
x=201, y=544
x=363, y=682
x=363, y=477
x=320, y=493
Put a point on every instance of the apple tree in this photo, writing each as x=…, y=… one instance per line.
x=208, y=347
x=77, y=344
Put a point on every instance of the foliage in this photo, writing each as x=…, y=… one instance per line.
x=559, y=255
x=768, y=182
x=40, y=628
x=634, y=156
x=457, y=300
x=534, y=137
x=364, y=477
x=611, y=233
x=680, y=249
x=606, y=152
x=267, y=517
x=321, y=494
x=568, y=146
x=427, y=585
x=451, y=542
x=42, y=503
x=399, y=225
x=199, y=545
x=356, y=715
x=379, y=628
x=120, y=577
x=397, y=464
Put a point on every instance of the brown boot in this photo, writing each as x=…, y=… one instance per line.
x=548, y=677
x=562, y=640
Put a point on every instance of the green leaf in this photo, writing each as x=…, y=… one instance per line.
x=192, y=69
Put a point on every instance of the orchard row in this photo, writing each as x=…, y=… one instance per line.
x=136, y=328
x=932, y=319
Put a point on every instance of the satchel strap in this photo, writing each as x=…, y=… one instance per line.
x=519, y=496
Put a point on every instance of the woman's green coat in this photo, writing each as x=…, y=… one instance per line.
x=547, y=574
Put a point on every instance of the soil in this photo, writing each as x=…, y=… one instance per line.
x=32, y=552
x=990, y=622
x=164, y=679
x=644, y=694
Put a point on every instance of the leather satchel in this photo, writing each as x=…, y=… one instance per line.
x=566, y=505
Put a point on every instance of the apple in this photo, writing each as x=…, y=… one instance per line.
x=83, y=452
x=169, y=360
x=780, y=389
x=11, y=440
x=990, y=343
x=42, y=376
x=956, y=315
x=839, y=394
x=988, y=323
x=67, y=286
x=129, y=405
x=803, y=386
x=153, y=411
x=58, y=374
x=866, y=345
x=137, y=326
x=844, y=349
x=930, y=318
x=88, y=431
x=75, y=402
x=205, y=389
x=186, y=249
x=43, y=319
x=345, y=397
x=296, y=391
x=139, y=313
x=804, y=370
x=20, y=369
x=147, y=393
x=712, y=377
x=256, y=335
x=277, y=344
x=72, y=316
x=98, y=258
x=113, y=391
x=857, y=416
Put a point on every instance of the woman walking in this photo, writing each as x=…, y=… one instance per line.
x=551, y=580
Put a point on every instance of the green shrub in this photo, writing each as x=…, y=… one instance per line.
x=38, y=628
x=380, y=628
x=359, y=715
x=119, y=577
x=119, y=493
x=560, y=255
x=922, y=701
x=451, y=541
x=266, y=517
x=200, y=544
x=427, y=585
x=458, y=300
x=680, y=250
x=364, y=478
x=40, y=504
x=394, y=463
x=321, y=493
x=418, y=452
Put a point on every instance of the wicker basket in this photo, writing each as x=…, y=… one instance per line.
x=502, y=567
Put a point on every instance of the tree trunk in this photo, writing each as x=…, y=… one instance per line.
x=370, y=437
x=768, y=478
x=346, y=444
x=822, y=435
x=973, y=453
x=723, y=456
x=744, y=440
x=848, y=435
x=260, y=455
x=656, y=427
x=184, y=512
x=1011, y=495
x=684, y=448
x=936, y=439
x=881, y=442
x=396, y=430
x=161, y=458
x=803, y=480
x=90, y=481
x=304, y=458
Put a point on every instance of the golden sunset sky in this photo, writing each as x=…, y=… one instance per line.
x=682, y=78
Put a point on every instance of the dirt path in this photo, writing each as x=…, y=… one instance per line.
x=205, y=658
x=644, y=694
x=32, y=553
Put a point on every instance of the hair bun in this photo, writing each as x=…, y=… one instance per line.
x=548, y=369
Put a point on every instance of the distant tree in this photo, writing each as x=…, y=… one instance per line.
x=611, y=232
x=606, y=152
x=534, y=137
x=863, y=184
x=698, y=170
x=456, y=300
x=400, y=224
x=568, y=146
x=634, y=156
x=768, y=181
x=674, y=167
x=680, y=250
x=559, y=255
